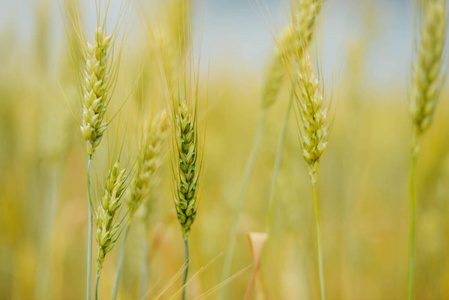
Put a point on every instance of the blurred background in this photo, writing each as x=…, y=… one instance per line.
x=366, y=51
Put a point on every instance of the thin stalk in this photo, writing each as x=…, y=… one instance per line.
x=318, y=237
x=241, y=200
x=144, y=271
x=97, y=280
x=120, y=262
x=277, y=165
x=89, y=238
x=186, y=271
x=411, y=264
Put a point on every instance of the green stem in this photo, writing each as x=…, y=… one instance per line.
x=241, y=200
x=97, y=280
x=277, y=165
x=120, y=262
x=186, y=271
x=411, y=266
x=318, y=236
x=89, y=238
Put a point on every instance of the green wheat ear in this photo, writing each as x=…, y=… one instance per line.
x=187, y=168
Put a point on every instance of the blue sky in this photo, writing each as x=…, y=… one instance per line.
x=233, y=33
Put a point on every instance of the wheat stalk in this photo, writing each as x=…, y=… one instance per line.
x=181, y=93
x=428, y=78
x=96, y=83
x=313, y=128
x=186, y=165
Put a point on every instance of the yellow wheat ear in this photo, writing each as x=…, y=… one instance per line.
x=311, y=114
x=96, y=65
x=96, y=85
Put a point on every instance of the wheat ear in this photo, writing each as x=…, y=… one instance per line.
x=427, y=75
x=187, y=166
x=150, y=159
x=428, y=78
x=106, y=215
x=292, y=43
x=313, y=129
x=304, y=13
x=96, y=83
x=186, y=163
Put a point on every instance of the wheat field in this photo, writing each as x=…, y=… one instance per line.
x=241, y=149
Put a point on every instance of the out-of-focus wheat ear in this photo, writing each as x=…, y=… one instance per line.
x=428, y=76
x=291, y=40
x=427, y=79
x=276, y=69
x=149, y=160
